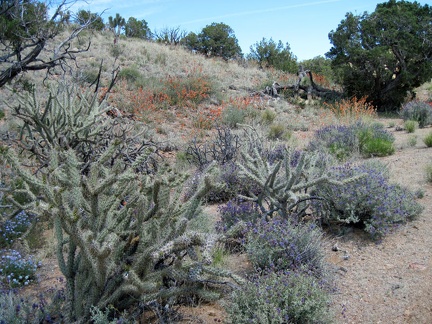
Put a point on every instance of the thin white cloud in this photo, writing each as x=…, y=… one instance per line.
x=254, y=12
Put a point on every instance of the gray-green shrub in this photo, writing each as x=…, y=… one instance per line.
x=411, y=125
x=428, y=171
x=285, y=244
x=282, y=297
x=417, y=110
x=428, y=139
x=371, y=201
x=345, y=141
x=233, y=116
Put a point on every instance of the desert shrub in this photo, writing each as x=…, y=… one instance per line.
x=88, y=76
x=189, y=90
x=16, y=270
x=222, y=148
x=46, y=307
x=228, y=183
x=232, y=116
x=235, y=211
x=350, y=110
x=418, y=111
x=344, y=141
x=339, y=140
x=412, y=140
x=277, y=131
x=374, y=140
x=107, y=316
x=11, y=229
x=428, y=171
x=130, y=74
x=371, y=201
x=411, y=125
x=282, y=297
x=428, y=139
x=284, y=244
x=268, y=116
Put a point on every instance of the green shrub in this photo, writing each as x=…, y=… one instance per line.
x=2, y=114
x=232, y=116
x=411, y=126
x=130, y=74
x=428, y=139
x=344, y=141
x=374, y=140
x=88, y=76
x=377, y=147
x=283, y=297
x=278, y=131
x=419, y=111
x=268, y=116
x=412, y=140
x=428, y=170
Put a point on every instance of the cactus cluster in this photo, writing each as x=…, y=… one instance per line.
x=285, y=184
x=122, y=234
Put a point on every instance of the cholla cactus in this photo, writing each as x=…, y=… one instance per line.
x=122, y=235
x=284, y=185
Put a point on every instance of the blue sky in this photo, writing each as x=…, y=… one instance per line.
x=304, y=24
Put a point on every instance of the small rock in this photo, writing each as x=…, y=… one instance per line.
x=417, y=266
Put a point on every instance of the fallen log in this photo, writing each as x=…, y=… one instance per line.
x=310, y=90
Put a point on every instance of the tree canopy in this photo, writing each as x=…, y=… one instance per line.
x=268, y=53
x=137, y=28
x=26, y=27
x=217, y=39
x=386, y=54
x=116, y=24
x=84, y=16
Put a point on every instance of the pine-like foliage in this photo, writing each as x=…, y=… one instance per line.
x=122, y=235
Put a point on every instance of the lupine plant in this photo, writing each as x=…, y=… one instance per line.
x=284, y=244
x=345, y=141
x=13, y=228
x=280, y=297
x=16, y=270
x=372, y=201
x=235, y=211
x=43, y=308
